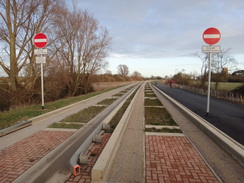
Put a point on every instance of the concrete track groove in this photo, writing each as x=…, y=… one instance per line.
x=129, y=162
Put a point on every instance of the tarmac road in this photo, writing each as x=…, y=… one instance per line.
x=226, y=116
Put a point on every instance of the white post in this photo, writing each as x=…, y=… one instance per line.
x=42, y=86
x=209, y=82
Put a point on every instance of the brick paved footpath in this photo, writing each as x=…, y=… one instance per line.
x=19, y=157
x=169, y=159
x=172, y=159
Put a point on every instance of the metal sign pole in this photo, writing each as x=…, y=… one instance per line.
x=40, y=41
x=210, y=36
x=41, y=59
x=209, y=82
x=42, y=86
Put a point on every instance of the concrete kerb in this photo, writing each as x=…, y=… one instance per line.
x=13, y=128
x=74, y=167
x=235, y=149
x=104, y=161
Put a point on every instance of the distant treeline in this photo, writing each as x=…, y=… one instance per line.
x=55, y=88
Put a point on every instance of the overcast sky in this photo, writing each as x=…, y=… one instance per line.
x=159, y=37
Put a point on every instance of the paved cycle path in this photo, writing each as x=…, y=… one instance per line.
x=226, y=116
x=19, y=157
x=168, y=157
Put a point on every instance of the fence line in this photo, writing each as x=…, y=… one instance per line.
x=229, y=96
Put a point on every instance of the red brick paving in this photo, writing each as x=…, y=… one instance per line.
x=19, y=157
x=96, y=149
x=171, y=159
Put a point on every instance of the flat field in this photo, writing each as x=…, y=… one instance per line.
x=227, y=86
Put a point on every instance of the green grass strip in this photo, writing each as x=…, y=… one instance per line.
x=115, y=120
x=164, y=130
x=67, y=126
x=108, y=101
x=150, y=95
x=84, y=115
x=158, y=116
x=152, y=102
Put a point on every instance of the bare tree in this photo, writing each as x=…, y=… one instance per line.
x=223, y=62
x=83, y=47
x=220, y=60
x=14, y=16
x=20, y=20
x=77, y=45
x=224, y=59
x=204, y=68
x=123, y=70
x=108, y=72
x=137, y=76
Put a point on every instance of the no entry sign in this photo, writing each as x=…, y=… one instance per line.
x=211, y=36
x=40, y=40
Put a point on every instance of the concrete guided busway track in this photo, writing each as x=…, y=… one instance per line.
x=46, y=163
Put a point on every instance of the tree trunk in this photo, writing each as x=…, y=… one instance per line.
x=13, y=64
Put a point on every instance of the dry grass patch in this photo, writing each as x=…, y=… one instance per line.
x=165, y=130
x=150, y=95
x=80, y=118
x=152, y=102
x=118, y=94
x=108, y=101
x=115, y=120
x=65, y=125
x=84, y=115
x=158, y=116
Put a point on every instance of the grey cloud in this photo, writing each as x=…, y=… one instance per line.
x=162, y=28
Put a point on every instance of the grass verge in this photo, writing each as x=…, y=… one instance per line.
x=9, y=118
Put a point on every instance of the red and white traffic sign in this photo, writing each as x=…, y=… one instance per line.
x=211, y=36
x=40, y=40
